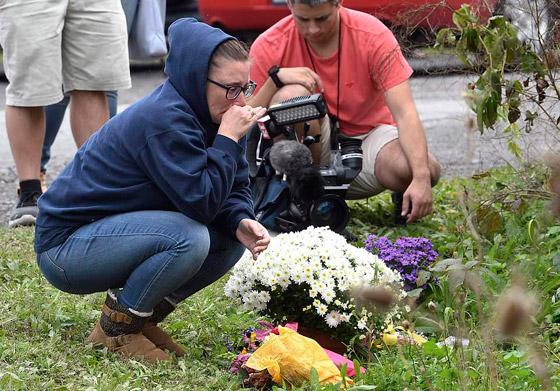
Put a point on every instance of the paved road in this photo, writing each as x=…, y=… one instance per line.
x=445, y=117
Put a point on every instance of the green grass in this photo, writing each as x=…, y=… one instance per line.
x=42, y=330
x=42, y=333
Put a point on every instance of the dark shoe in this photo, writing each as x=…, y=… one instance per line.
x=119, y=330
x=25, y=210
x=397, y=199
x=159, y=337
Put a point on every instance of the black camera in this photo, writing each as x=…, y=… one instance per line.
x=317, y=193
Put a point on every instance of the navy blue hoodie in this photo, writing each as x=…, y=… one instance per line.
x=161, y=153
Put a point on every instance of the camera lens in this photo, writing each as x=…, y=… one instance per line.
x=351, y=152
x=329, y=210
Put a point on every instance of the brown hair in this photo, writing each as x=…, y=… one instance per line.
x=232, y=49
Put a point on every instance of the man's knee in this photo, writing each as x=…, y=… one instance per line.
x=90, y=95
x=289, y=91
x=392, y=167
x=391, y=162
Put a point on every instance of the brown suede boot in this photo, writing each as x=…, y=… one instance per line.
x=159, y=337
x=120, y=331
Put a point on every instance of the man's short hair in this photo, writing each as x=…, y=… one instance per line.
x=312, y=3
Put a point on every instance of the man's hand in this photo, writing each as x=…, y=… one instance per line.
x=419, y=192
x=253, y=236
x=303, y=76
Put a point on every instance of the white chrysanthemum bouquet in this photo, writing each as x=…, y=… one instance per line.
x=307, y=277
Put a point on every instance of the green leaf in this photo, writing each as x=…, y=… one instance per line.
x=470, y=264
x=513, y=114
x=474, y=281
x=464, y=16
x=514, y=148
x=449, y=373
x=456, y=279
x=444, y=264
x=503, y=113
x=414, y=293
x=490, y=111
x=531, y=63
x=513, y=88
x=533, y=231
x=513, y=356
x=313, y=377
x=530, y=117
x=497, y=22
x=357, y=367
x=472, y=40
x=488, y=221
x=430, y=348
x=425, y=324
x=445, y=37
x=423, y=277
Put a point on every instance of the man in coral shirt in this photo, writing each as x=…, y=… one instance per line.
x=356, y=62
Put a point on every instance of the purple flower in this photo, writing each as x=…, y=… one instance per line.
x=407, y=256
x=239, y=361
x=228, y=345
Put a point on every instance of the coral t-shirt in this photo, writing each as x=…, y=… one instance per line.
x=371, y=62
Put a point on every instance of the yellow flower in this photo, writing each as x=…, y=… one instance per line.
x=390, y=339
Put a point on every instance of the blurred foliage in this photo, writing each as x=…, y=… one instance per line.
x=511, y=74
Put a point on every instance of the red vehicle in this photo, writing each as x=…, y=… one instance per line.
x=258, y=15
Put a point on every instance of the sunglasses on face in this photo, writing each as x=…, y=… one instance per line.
x=232, y=92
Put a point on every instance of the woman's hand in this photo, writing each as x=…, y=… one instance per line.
x=237, y=121
x=253, y=236
x=303, y=76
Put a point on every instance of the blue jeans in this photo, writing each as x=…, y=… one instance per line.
x=149, y=254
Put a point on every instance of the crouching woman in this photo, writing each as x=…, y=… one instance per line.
x=155, y=205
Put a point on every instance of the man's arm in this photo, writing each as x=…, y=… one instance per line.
x=263, y=56
x=302, y=75
x=413, y=143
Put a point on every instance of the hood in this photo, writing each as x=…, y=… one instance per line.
x=191, y=45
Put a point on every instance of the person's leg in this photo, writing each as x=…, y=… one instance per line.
x=93, y=27
x=393, y=171
x=112, y=102
x=385, y=165
x=88, y=112
x=31, y=59
x=129, y=7
x=25, y=127
x=148, y=253
x=223, y=255
x=54, y=114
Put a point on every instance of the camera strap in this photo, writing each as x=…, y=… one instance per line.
x=334, y=120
